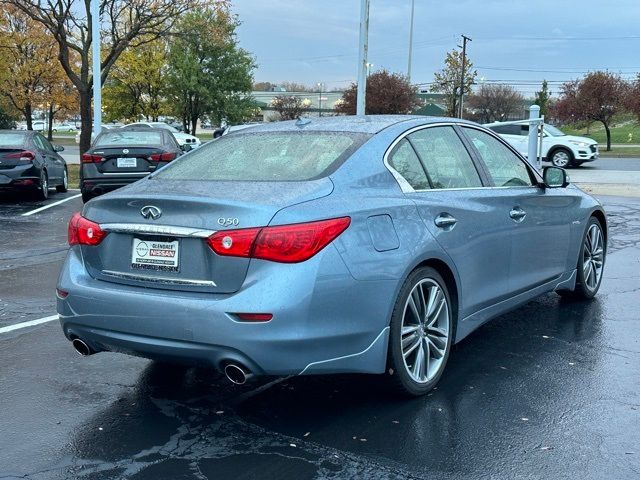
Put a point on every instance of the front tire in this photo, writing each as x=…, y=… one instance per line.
x=421, y=333
x=590, y=263
x=64, y=186
x=562, y=158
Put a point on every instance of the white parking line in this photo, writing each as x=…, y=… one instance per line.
x=30, y=323
x=38, y=210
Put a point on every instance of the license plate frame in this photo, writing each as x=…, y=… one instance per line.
x=155, y=255
x=126, y=162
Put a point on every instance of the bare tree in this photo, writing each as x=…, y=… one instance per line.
x=493, y=103
x=124, y=24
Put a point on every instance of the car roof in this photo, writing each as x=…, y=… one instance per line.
x=136, y=128
x=368, y=124
x=21, y=132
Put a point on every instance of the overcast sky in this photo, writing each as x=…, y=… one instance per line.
x=311, y=41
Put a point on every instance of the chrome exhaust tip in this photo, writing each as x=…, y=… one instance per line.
x=237, y=374
x=81, y=348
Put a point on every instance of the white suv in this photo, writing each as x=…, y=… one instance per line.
x=182, y=138
x=558, y=148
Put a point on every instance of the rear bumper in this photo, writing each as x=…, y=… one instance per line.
x=20, y=177
x=324, y=321
x=100, y=185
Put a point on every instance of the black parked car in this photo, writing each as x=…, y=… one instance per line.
x=122, y=156
x=29, y=162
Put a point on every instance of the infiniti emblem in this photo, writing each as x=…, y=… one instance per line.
x=125, y=151
x=149, y=211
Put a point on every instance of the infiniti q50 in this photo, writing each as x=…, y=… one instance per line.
x=348, y=244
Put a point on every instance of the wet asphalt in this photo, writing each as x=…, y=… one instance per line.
x=550, y=390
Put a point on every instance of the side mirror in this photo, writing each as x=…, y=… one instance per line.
x=555, y=177
x=57, y=148
x=186, y=148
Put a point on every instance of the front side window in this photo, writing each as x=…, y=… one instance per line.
x=505, y=167
x=266, y=156
x=405, y=161
x=45, y=143
x=445, y=157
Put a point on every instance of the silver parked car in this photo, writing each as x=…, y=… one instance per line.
x=347, y=244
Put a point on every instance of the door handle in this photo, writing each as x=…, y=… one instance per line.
x=446, y=221
x=517, y=214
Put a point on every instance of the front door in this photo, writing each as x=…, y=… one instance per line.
x=461, y=215
x=541, y=229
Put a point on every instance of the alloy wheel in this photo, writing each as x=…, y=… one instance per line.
x=560, y=158
x=425, y=331
x=592, y=257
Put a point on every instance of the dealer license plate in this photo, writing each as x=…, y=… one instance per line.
x=127, y=162
x=154, y=255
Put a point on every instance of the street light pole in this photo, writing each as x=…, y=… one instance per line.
x=319, y=99
x=362, y=56
x=97, y=80
x=413, y=4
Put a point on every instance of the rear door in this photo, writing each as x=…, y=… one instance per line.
x=539, y=217
x=459, y=213
x=54, y=161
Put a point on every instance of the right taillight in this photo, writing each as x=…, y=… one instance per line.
x=162, y=157
x=283, y=243
x=84, y=232
x=90, y=158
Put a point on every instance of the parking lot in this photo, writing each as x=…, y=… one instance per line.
x=550, y=390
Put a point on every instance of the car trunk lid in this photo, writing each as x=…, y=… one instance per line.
x=131, y=160
x=189, y=211
x=13, y=156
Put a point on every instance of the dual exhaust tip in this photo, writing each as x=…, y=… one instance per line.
x=82, y=348
x=235, y=373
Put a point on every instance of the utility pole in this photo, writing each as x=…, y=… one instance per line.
x=413, y=5
x=462, y=74
x=97, y=79
x=363, y=55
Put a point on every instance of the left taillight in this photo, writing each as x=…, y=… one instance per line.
x=24, y=156
x=84, y=232
x=282, y=243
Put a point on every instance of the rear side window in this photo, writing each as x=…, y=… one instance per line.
x=127, y=138
x=504, y=166
x=266, y=156
x=10, y=139
x=405, y=161
x=445, y=157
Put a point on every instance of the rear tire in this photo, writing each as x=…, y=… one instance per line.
x=421, y=333
x=86, y=196
x=590, y=265
x=43, y=190
x=64, y=186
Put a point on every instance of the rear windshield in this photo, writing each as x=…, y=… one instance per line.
x=12, y=139
x=268, y=156
x=126, y=138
